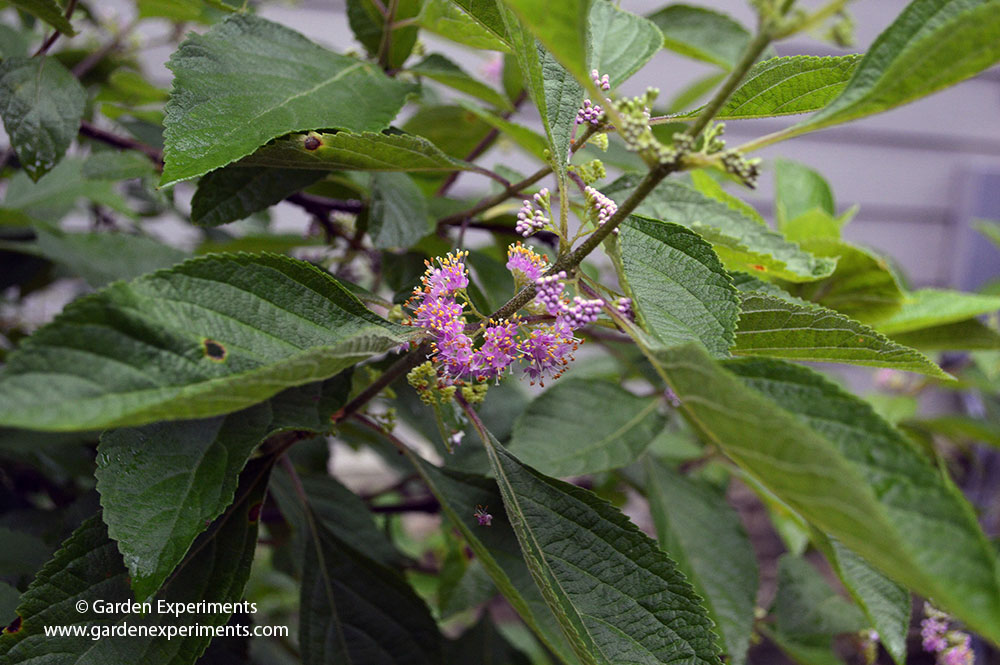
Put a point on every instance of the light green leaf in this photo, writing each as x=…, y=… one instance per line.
x=885, y=603
x=702, y=34
x=100, y=258
x=703, y=533
x=47, y=10
x=594, y=438
x=932, y=44
x=798, y=191
x=816, y=224
x=161, y=484
x=928, y=308
x=14, y=42
x=451, y=129
x=620, y=42
x=958, y=428
x=398, y=216
x=247, y=81
x=356, y=152
x=740, y=241
x=523, y=136
x=449, y=20
x=112, y=165
x=89, y=568
x=967, y=335
x=57, y=192
x=41, y=104
x=202, y=11
x=617, y=596
x=235, y=192
x=213, y=351
x=439, y=68
x=863, y=286
x=788, y=85
x=561, y=27
x=771, y=326
x=680, y=288
x=711, y=188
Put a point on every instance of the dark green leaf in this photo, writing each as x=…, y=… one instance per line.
x=568, y=430
x=399, y=216
x=703, y=533
x=616, y=595
x=190, y=342
x=483, y=644
x=22, y=554
x=439, y=68
x=235, y=192
x=448, y=19
x=681, y=290
x=620, y=42
x=702, y=34
x=162, y=484
x=772, y=326
x=368, y=22
x=928, y=308
x=807, y=610
x=452, y=129
x=967, y=335
x=47, y=10
x=247, y=81
x=41, y=104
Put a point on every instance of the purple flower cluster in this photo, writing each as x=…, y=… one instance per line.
x=601, y=82
x=531, y=219
x=624, y=307
x=952, y=647
x=603, y=207
x=546, y=348
x=589, y=113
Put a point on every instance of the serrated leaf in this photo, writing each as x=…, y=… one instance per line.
x=828, y=456
x=702, y=34
x=932, y=44
x=615, y=594
x=368, y=151
x=806, y=610
x=100, y=258
x=47, y=10
x=798, y=191
x=561, y=27
x=771, y=326
x=193, y=341
x=741, y=242
x=248, y=80
x=620, y=42
x=439, y=68
x=593, y=439
x=788, y=85
x=928, y=308
x=449, y=20
x=161, y=484
x=703, y=533
x=41, y=104
x=885, y=603
x=398, y=216
x=89, y=568
x=680, y=288
x=235, y=192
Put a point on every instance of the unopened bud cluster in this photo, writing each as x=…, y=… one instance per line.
x=600, y=207
x=531, y=219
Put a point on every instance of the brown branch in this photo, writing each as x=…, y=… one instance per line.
x=92, y=131
x=398, y=369
x=47, y=44
x=95, y=57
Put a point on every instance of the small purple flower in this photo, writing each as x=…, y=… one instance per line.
x=581, y=312
x=624, y=307
x=952, y=647
x=454, y=353
x=547, y=350
x=483, y=517
x=601, y=82
x=455, y=440
x=550, y=290
x=450, y=277
x=524, y=263
x=590, y=113
x=498, y=352
x=603, y=207
x=530, y=219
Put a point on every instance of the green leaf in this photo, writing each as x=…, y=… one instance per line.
x=594, y=438
x=932, y=44
x=740, y=241
x=798, y=191
x=193, y=341
x=523, y=136
x=711, y=188
x=452, y=129
x=806, y=610
x=23, y=553
x=235, y=192
x=885, y=603
x=928, y=308
x=703, y=533
x=680, y=288
x=161, y=484
x=14, y=43
x=89, y=568
x=483, y=643
x=863, y=287
x=617, y=596
x=958, y=428
x=447, y=19
x=41, y=104
x=57, y=192
x=398, y=216
x=202, y=11
x=367, y=21
x=561, y=27
x=100, y=258
x=968, y=335
x=702, y=34
x=112, y=165
x=439, y=68
x=495, y=547
x=247, y=81
x=788, y=85
x=368, y=151
x=620, y=42
x=47, y=10
x=771, y=326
